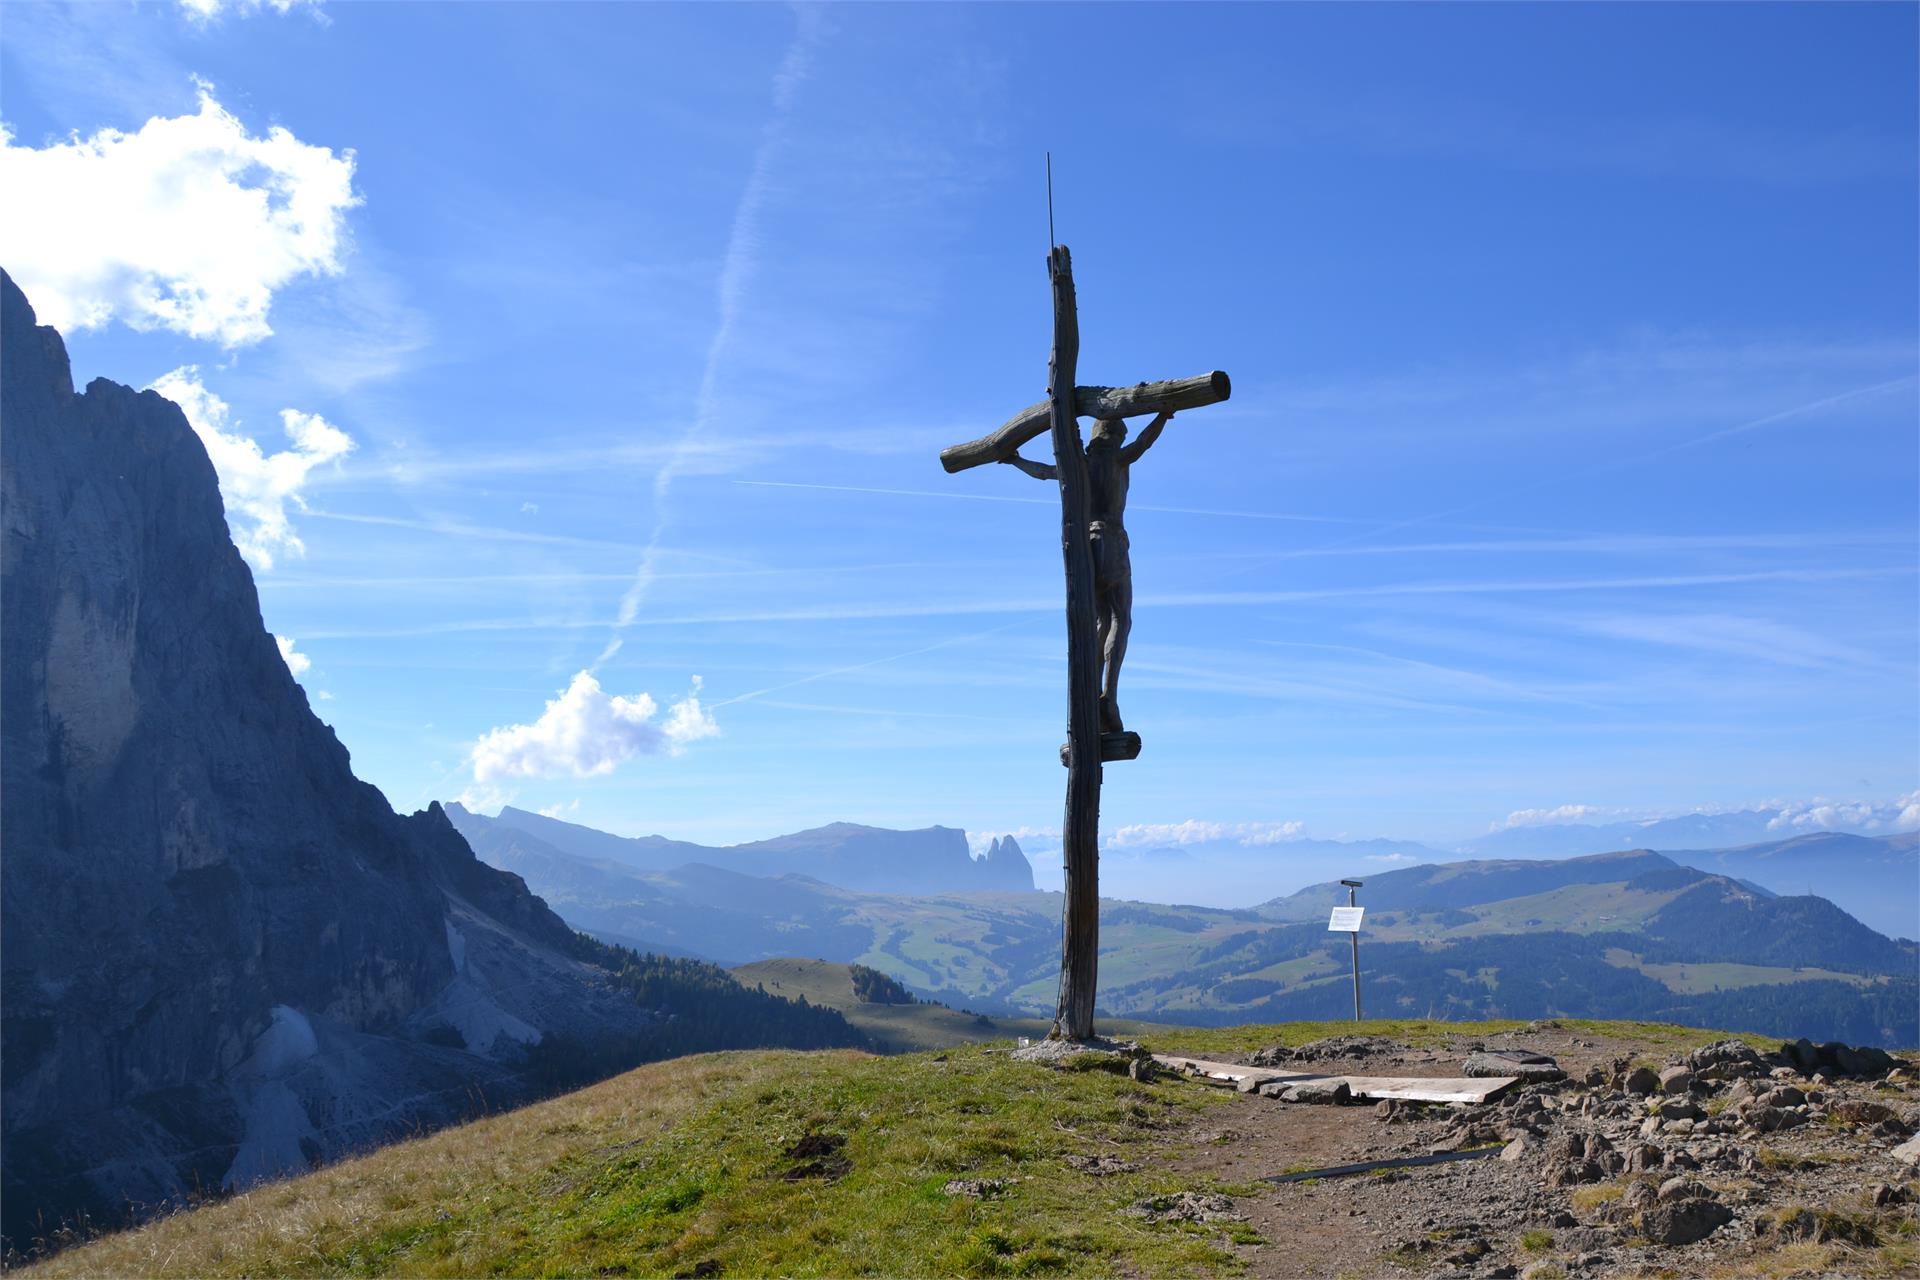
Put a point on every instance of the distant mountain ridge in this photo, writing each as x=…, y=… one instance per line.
x=1686, y=831
x=1628, y=935
x=851, y=856
x=1876, y=878
x=1451, y=885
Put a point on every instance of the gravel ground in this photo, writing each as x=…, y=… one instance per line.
x=1726, y=1161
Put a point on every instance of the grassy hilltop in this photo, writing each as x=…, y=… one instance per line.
x=758, y=1163
x=902, y=1027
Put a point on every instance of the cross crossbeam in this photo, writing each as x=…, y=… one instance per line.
x=1089, y=402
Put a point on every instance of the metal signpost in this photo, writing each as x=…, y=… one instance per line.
x=1347, y=920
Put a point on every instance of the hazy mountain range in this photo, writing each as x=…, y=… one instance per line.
x=1633, y=934
x=869, y=859
x=1875, y=878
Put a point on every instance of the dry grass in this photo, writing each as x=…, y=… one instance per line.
x=688, y=1162
x=297, y=1225
x=1587, y=1199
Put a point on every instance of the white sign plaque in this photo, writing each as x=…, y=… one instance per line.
x=1345, y=920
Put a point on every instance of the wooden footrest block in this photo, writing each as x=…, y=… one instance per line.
x=1124, y=745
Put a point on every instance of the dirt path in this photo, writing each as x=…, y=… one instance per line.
x=1766, y=1176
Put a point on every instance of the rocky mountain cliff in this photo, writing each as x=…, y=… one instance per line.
x=866, y=859
x=223, y=955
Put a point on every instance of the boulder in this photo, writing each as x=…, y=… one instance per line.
x=1727, y=1059
x=1676, y=1080
x=1641, y=1081
x=1681, y=1222
x=1330, y=1092
x=1908, y=1152
x=1521, y=1064
x=1642, y=1157
x=1684, y=1188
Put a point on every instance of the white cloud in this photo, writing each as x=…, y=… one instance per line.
x=555, y=810
x=298, y=663
x=587, y=732
x=530, y=508
x=257, y=486
x=324, y=696
x=1391, y=857
x=189, y=224
x=1194, y=831
x=1045, y=838
x=204, y=12
x=1900, y=814
x=1562, y=814
x=480, y=798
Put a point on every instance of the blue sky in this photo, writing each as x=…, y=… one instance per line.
x=1571, y=459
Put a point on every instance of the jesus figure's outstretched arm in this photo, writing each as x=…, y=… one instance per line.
x=1038, y=470
x=1131, y=453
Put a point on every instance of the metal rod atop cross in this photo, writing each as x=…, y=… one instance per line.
x=1093, y=540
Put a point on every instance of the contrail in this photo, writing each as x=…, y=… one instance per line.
x=996, y=497
x=873, y=662
x=736, y=270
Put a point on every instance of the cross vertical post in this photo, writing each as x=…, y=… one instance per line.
x=1093, y=498
x=1080, y=830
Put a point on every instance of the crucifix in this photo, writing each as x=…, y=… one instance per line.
x=1093, y=539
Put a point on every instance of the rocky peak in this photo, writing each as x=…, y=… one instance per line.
x=193, y=876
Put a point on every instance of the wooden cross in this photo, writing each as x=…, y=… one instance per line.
x=1087, y=745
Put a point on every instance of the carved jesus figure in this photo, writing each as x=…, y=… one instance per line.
x=1109, y=460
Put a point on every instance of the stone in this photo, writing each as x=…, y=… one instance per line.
x=1329, y=1092
x=1683, y=1188
x=208, y=918
x=1112, y=1055
x=1101, y=1166
x=1676, y=1080
x=1641, y=1081
x=1683, y=1221
x=1327, y=1049
x=1185, y=1206
x=1523, y=1065
x=1862, y=1111
x=1519, y=1149
x=1385, y=1108
x=1909, y=1151
x=977, y=1188
x=1802, y=1054
x=1680, y=1109
x=1643, y=1157
x=1727, y=1059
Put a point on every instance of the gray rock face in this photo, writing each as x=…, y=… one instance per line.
x=223, y=955
x=1006, y=867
